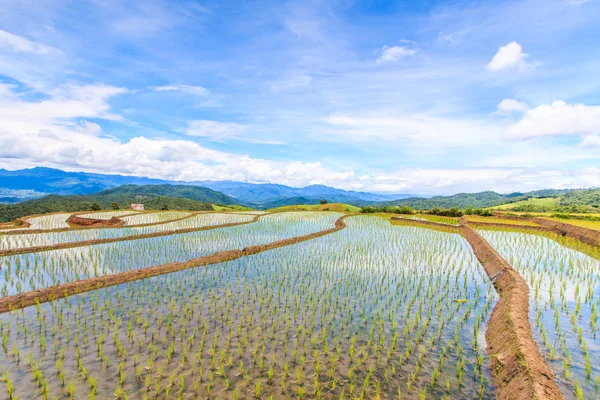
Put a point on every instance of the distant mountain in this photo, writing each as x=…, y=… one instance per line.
x=36, y=182
x=567, y=200
x=460, y=200
x=173, y=197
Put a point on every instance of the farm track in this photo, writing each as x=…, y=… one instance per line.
x=52, y=293
x=68, y=245
x=518, y=368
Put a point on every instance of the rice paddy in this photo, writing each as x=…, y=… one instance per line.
x=155, y=217
x=375, y=310
x=107, y=214
x=78, y=235
x=564, y=301
x=503, y=221
x=370, y=311
x=433, y=218
x=26, y=272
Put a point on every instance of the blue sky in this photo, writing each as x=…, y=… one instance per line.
x=431, y=97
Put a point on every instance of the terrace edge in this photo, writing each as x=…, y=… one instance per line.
x=22, y=300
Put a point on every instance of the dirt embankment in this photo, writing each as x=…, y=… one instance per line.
x=74, y=227
x=585, y=235
x=81, y=221
x=68, y=245
x=519, y=370
x=68, y=289
x=425, y=224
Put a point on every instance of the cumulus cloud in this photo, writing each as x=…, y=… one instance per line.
x=20, y=44
x=510, y=56
x=393, y=53
x=508, y=106
x=557, y=118
x=195, y=90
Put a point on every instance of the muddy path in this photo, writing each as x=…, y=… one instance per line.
x=518, y=368
x=68, y=245
x=51, y=293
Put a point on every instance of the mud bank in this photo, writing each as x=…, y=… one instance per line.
x=27, y=299
x=68, y=245
x=93, y=222
x=519, y=370
x=425, y=224
x=585, y=235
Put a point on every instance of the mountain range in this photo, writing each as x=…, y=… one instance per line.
x=26, y=184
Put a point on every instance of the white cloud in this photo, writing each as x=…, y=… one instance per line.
x=394, y=53
x=217, y=131
x=557, y=118
x=196, y=90
x=510, y=56
x=22, y=45
x=214, y=130
x=414, y=129
x=508, y=106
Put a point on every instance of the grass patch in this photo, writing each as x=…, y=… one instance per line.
x=538, y=202
x=338, y=207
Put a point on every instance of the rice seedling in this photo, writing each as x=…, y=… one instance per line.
x=150, y=218
x=329, y=318
x=78, y=235
x=25, y=272
x=563, y=304
x=107, y=214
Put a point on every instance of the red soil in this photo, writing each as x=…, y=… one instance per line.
x=77, y=220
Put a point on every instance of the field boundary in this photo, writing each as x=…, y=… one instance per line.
x=586, y=235
x=518, y=368
x=52, y=293
x=68, y=245
x=15, y=231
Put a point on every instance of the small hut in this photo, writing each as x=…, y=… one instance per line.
x=137, y=207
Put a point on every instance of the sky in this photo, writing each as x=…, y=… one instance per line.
x=427, y=97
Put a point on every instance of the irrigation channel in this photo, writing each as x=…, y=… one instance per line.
x=364, y=311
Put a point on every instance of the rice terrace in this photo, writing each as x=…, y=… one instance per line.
x=322, y=199
x=298, y=302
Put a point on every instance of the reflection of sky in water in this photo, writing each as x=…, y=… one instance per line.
x=545, y=263
x=50, y=238
x=58, y=266
x=375, y=267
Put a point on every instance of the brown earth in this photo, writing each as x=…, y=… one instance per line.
x=518, y=368
x=585, y=235
x=68, y=245
x=425, y=224
x=81, y=221
x=22, y=300
x=79, y=227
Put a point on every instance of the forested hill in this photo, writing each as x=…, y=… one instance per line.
x=172, y=197
x=572, y=200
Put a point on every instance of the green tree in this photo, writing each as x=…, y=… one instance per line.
x=95, y=207
x=114, y=206
x=323, y=201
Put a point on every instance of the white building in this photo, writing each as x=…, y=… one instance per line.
x=138, y=207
